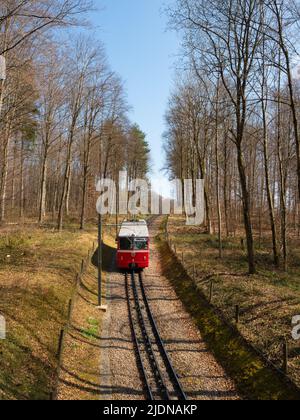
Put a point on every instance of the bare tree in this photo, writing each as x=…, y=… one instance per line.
x=264, y=111
x=224, y=37
x=51, y=117
x=82, y=63
x=286, y=14
x=30, y=17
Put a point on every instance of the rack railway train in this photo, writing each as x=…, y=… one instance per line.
x=133, y=245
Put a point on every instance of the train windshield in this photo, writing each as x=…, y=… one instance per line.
x=138, y=244
x=126, y=244
x=141, y=244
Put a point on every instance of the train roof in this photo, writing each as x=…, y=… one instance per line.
x=138, y=229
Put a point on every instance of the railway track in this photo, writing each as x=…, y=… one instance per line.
x=160, y=380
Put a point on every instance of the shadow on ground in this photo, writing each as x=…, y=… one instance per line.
x=109, y=254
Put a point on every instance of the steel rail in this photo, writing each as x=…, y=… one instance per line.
x=172, y=373
x=149, y=345
x=144, y=378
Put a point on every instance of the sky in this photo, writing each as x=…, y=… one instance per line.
x=143, y=52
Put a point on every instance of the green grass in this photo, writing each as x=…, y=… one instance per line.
x=92, y=330
x=14, y=249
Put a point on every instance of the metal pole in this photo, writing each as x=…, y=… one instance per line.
x=99, y=260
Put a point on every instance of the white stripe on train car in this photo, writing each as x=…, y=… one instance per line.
x=134, y=229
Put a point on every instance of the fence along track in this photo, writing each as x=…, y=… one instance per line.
x=158, y=375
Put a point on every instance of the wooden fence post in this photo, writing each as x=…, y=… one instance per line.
x=60, y=343
x=242, y=244
x=285, y=349
x=69, y=309
x=237, y=314
x=211, y=291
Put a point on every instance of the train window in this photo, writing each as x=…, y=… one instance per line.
x=126, y=244
x=141, y=244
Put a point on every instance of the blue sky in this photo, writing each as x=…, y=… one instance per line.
x=143, y=52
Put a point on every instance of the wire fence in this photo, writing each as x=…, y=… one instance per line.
x=283, y=349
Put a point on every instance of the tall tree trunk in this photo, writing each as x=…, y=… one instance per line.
x=68, y=191
x=22, y=181
x=283, y=210
x=56, y=181
x=282, y=176
x=42, y=206
x=4, y=46
x=225, y=185
x=261, y=205
x=6, y=132
x=286, y=54
x=13, y=183
x=201, y=164
x=4, y=174
x=246, y=210
x=218, y=175
x=84, y=196
x=266, y=166
x=64, y=188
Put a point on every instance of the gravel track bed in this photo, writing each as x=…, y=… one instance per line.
x=120, y=377
x=201, y=376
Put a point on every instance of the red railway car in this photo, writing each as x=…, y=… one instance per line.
x=133, y=245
